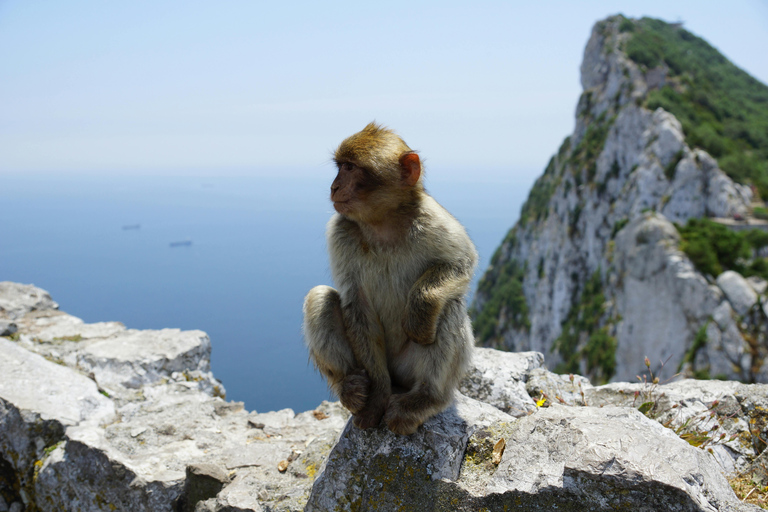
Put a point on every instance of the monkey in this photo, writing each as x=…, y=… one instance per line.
x=394, y=338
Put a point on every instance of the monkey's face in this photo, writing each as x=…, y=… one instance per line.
x=353, y=192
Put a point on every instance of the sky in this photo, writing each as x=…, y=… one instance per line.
x=245, y=86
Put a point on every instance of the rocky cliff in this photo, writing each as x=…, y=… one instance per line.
x=595, y=274
x=97, y=417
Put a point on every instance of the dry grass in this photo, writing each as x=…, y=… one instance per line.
x=755, y=494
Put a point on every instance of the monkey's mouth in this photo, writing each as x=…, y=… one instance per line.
x=340, y=205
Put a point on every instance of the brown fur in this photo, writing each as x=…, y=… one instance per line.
x=402, y=265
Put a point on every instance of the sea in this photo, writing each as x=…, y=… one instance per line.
x=232, y=255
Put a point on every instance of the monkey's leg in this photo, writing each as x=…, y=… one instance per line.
x=437, y=368
x=330, y=350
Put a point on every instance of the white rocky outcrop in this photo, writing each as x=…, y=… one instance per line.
x=174, y=444
x=96, y=417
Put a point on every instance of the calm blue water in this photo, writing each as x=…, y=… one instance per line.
x=258, y=246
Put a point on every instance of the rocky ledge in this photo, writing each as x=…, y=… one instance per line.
x=97, y=417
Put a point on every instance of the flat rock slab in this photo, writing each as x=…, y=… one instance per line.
x=135, y=358
x=48, y=390
x=603, y=459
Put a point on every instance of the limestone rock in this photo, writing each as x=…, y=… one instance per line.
x=18, y=299
x=606, y=206
x=722, y=417
x=555, y=388
x=599, y=459
x=94, y=417
x=7, y=328
x=376, y=469
x=569, y=458
x=168, y=444
x=758, y=284
x=739, y=292
x=498, y=378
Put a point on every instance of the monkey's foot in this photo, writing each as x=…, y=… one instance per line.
x=355, y=389
x=398, y=420
x=371, y=414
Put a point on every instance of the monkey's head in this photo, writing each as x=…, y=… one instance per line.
x=378, y=175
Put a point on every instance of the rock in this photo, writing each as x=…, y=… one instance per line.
x=758, y=284
x=146, y=428
x=376, y=469
x=203, y=481
x=498, y=378
x=171, y=444
x=554, y=388
x=16, y=299
x=721, y=417
x=606, y=206
x=133, y=358
x=7, y=328
x=740, y=293
x=599, y=459
x=569, y=458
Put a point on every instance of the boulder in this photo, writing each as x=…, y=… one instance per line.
x=739, y=292
x=18, y=299
x=498, y=378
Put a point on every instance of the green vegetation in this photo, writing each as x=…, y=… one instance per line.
x=504, y=288
x=618, y=226
x=714, y=248
x=584, y=155
x=583, y=322
x=699, y=342
x=760, y=212
x=669, y=170
x=536, y=207
x=722, y=109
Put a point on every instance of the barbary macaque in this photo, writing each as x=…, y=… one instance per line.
x=394, y=339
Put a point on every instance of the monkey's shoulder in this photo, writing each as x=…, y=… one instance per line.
x=441, y=234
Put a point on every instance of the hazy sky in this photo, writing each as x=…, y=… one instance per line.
x=242, y=86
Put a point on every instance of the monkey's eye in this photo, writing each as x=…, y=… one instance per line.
x=346, y=166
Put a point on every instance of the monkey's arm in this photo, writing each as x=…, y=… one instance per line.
x=440, y=283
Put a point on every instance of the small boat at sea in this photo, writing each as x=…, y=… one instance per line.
x=131, y=226
x=181, y=243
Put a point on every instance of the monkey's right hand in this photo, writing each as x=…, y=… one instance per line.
x=355, y=389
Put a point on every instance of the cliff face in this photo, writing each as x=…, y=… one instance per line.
x=592, y=274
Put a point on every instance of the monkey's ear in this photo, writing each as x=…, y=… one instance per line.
x=411, y=168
